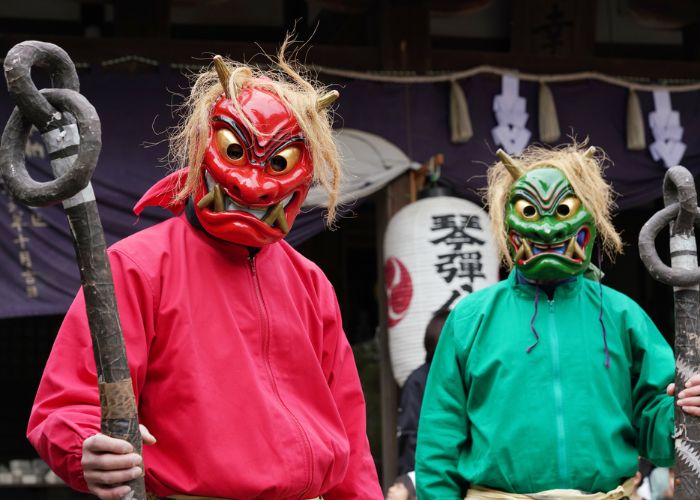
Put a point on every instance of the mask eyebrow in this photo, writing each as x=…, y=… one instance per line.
x=277, y=144
x=240, y=131
x=547, y=197
x=284, y=142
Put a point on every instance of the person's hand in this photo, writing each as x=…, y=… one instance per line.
x=397, y=491
x=689, y=397
x=108, y=462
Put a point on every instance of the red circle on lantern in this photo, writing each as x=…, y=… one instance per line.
x=399, y=290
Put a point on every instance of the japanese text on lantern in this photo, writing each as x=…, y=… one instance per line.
x=460, y=264
x=21, y=240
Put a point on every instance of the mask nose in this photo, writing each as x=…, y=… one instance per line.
x=253, y=188
x=551, y=233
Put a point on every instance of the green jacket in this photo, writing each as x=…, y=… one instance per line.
x=556, y=417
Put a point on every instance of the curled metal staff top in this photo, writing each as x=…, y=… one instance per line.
x=18, y=65
x=49, y=110
x=683, y=214
x=679, y=187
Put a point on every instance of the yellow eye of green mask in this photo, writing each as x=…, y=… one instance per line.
x=526, y=210
x=568, y=207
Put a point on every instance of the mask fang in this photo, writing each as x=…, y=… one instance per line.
x=524, y=251
x=213, y=196
x=570, y=248
x=276, y=215
x=578, y=251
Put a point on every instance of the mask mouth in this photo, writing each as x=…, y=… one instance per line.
x=572, y=248
x=218, y=201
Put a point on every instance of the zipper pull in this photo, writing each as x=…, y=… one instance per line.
x=251, y=263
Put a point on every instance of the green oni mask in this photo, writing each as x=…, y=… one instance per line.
x=550, y=232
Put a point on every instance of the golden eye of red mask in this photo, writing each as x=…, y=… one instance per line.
x=229, y=147
x=284, y=161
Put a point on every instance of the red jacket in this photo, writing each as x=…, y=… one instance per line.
x=240, y=367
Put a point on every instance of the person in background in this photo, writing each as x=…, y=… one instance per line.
x=661, y=483
x=642, y=490
x=412, y=395
x=409, y=412
x=403, y=488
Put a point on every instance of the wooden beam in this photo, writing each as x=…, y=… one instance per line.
x=358, y=58
x=96, y=50
x=455, y=60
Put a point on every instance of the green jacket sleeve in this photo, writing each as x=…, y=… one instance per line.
x=443, y=425
x=652, y=370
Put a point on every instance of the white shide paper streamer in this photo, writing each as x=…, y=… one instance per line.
x=665, y=124
x=511, y=115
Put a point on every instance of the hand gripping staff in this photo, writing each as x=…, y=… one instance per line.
x=71, y=132
x=682, y=215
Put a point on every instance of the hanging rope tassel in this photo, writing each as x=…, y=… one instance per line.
x=548, y=119
x=636, y=140
x=460, y=122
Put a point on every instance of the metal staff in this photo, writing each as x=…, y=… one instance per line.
x=71, y=131
x=680, y=199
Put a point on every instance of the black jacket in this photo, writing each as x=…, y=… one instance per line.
x=409, y=412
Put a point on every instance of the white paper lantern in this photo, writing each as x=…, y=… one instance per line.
x=436, y=251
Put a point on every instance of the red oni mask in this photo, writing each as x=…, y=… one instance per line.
x=253, y=185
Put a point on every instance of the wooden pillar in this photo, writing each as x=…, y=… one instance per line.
x=389, y=201
x=404, y=35
x=404, y=38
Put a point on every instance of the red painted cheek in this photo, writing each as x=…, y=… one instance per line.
x=301, y=175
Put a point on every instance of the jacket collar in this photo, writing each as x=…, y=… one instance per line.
x=564, y=290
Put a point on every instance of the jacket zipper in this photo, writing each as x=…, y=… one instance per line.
x=558, y=396
x=308, y=452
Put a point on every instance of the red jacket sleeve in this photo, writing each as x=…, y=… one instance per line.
x=360, y=480
x=67, y=410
